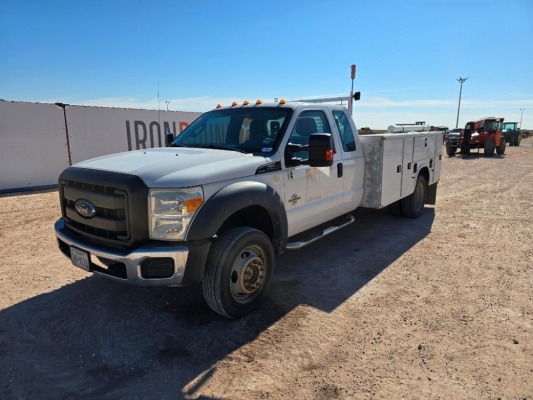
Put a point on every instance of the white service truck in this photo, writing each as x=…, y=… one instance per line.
x=239, y=186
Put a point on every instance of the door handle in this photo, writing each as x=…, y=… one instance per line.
x=340, y=170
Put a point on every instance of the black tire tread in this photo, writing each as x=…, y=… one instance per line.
x=409, y=203
x=489, y=147
x=212, y=281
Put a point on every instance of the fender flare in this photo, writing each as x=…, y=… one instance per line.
x=233, y=198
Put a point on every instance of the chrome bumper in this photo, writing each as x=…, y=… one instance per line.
x=133, y=260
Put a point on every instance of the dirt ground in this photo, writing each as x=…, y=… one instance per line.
x=434, y=308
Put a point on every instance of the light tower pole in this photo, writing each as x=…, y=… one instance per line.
x=461, y=81
x=521, y=114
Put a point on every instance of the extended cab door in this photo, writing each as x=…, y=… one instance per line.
x=353, y=162
x=312, y=194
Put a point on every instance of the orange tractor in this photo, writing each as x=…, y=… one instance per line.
x=485, y=133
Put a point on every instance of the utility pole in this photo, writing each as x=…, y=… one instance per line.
x=521, y=114
x=461, y=81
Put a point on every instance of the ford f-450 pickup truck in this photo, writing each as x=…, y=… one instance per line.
x=235, y=189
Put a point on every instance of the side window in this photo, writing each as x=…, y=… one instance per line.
x=345, y=130
x=308, y=122
x=491, y=126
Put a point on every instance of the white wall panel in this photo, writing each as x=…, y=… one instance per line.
x=97, y=131
x=33, y=148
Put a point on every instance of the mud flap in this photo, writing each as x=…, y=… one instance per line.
x=431, y=194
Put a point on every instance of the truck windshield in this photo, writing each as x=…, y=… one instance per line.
x=248, y=130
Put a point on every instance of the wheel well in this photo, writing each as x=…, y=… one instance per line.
x=425, y=173
x=254, y=217
x=430, y=190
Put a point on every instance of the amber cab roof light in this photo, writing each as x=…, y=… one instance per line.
x=258, y=102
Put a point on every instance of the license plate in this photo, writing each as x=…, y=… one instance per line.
x=80, y=259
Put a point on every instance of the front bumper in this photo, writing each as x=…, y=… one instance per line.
x=455, y=141
x=131, y=266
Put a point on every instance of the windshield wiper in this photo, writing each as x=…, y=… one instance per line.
x=177, y=145
x=223, y=147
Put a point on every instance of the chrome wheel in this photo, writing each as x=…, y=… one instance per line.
x=248, y=274
x=238, y=271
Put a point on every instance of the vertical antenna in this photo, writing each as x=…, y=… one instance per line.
x=158, y=113
x=461, y=81
x=352, y=76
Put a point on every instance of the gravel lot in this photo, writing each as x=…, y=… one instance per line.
x=434, y=308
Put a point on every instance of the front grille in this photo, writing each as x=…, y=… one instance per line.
x=110, y=221
x=120, y=204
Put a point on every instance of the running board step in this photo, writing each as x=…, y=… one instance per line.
x=313, y=235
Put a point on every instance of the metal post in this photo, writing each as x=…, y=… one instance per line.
x=461, y=81
x=521, y=114
x=352, y=76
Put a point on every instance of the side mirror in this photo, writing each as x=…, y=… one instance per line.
x=320, y=150
x=290, y=151
x=169, y=138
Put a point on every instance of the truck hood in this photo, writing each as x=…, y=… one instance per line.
x=178, y=167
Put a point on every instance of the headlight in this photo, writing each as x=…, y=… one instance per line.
x=171, y=212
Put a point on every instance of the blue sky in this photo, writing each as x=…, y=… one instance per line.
x=408, y=55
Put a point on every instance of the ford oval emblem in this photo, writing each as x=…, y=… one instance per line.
x=85, y=208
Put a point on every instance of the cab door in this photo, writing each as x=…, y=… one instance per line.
x=353, y=162
x=312, y=194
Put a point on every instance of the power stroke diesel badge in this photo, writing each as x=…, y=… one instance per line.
x=85, y=208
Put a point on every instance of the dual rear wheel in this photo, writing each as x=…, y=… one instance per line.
x=412, y=205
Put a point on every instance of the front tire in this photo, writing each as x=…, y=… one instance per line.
x=450, y=150
x=413, y=204
x=489, y=147
x=238, y=272
x=518, y=139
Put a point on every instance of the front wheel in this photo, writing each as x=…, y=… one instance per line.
x=413, y=204
x=489, y=147
x=238, y=272
x=517, y=139
x=450, y=150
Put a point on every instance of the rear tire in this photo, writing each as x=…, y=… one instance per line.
x=489, y=147
x=518, y=139
x=501, y=148
x=239, y=271
x=413, y=204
